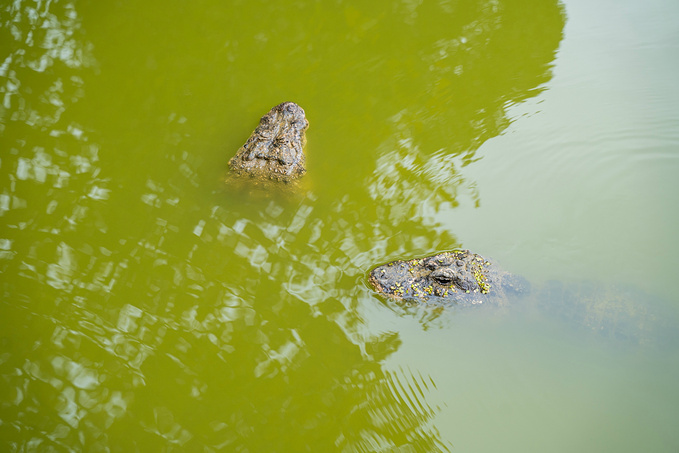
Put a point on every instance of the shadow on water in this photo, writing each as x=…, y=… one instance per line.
x=144, y=309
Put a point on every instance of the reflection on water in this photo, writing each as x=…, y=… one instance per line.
x=146, y=307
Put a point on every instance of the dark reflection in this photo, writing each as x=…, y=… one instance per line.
x=142, y=309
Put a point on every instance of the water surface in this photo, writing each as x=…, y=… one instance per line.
x=148, y=307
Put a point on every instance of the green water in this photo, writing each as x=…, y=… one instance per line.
x=148, y=307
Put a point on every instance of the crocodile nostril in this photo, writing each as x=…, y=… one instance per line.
x=431, y=265
x=444, y=276
x=466, y=285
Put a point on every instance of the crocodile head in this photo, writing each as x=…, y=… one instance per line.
x=457, y=276
x=275, y=150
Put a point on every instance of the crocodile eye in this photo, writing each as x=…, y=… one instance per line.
x=443, y=276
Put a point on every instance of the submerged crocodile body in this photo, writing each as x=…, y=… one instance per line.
x=458, y=276
x=275, y=150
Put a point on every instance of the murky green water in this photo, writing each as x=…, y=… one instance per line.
x=147, y=307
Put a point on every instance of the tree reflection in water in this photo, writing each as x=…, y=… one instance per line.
x=230, y=322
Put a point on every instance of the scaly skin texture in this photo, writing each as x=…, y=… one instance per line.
x=274, y=151
x=448, y=277
x=464, y=278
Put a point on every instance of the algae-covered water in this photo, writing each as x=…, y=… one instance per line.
x=148, y=306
